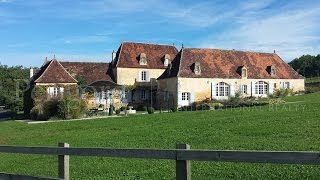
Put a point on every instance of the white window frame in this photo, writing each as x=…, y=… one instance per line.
x=262, y=88
x=166, y=62
x=222, y=89
x=143, y=76
x=286, y=85
x=185, y=96
x=244, y=89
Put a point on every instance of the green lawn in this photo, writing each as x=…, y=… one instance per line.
x=292, y=126
x=313, y=80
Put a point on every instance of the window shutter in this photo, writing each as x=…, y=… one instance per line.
x=192, y=97
x=253, y=88
x=147, y=76
x=129, y=96
x=61, y=90
x=97, y=97
x=179, y=98
x=232, y=91
x=140, y=76
x=270, y=85
x=213, y=87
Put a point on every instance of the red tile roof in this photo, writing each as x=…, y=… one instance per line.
x=89, y=71
x=53, y=72
x=216, y=63
x=129, y=52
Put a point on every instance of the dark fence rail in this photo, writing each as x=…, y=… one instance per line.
x=182, y=155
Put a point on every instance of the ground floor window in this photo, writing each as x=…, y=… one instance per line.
x=55, y=91
x=222, y=89
x=261, y=87
x=244, y=89
x=185, y=96
x=143, y=95
x=286, y=85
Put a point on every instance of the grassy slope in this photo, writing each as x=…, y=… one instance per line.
x=288, y=127
x=313, y=80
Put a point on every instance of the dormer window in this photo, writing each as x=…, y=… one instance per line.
x=166, y=61
x=273, y=71
x=244, y=72
x=143, y=59
x=197, y=68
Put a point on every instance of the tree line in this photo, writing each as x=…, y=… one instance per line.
x=307, y=65
x=13, y=82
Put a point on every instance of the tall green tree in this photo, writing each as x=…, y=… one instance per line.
x=307, y=65
x=13, y=81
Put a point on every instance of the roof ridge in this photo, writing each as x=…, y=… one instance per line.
x=148, y=43
x=50, y=62
x=179, y=67
x=67, y=71
x=84, y=62
x=232, y=50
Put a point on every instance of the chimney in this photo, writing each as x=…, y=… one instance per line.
x=31, y=72
x=113, y=55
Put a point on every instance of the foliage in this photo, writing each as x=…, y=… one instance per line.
x=71, y=107
x=150, y=110
x=284, y=127
x=39, y=113
x=13, y=83
x=123, y=108
x=307, y=65
x=283, y=92
x=81, y=80
x=174, y=109
x=118, y=111
x=142, y=108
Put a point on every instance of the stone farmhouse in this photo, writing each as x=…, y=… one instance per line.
x=163, y=77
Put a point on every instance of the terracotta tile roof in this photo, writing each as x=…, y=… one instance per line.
x=128, y=55
x=216, y=63
x=90, y=71
x=53, y=72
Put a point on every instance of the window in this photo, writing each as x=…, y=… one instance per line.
x=273, y=71
x=275, y=85
x=197, y=68
x=166, y=61
x=55, y=91
x=166, y=96
x=286, y=85
x=143, y=76
x=244, y=89
x=185, y=96
x=143, y=59
x=222, y=89
x=261, y=87
x=244, y=73
x=143, y=95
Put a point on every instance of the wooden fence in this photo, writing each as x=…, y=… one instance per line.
x=182, y=155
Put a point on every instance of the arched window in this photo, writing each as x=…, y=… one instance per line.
x=222, y=89
x=261, y=87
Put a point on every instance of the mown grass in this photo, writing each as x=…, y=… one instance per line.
x=293, y=126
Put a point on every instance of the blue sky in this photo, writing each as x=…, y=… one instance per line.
x=86, y=30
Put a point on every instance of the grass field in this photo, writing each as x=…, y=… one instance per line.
x=291, y=126
x=313, y=80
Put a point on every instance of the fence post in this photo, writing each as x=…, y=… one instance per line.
x=183, y=167
x=63, y=164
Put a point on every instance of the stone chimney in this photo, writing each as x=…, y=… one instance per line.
x=31, y=72
x=113, y=55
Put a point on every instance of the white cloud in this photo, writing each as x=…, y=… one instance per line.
x=291, y=33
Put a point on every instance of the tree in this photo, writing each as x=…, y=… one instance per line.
x=307, y=65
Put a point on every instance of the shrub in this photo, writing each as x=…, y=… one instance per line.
x=123, y=108
x=150, y=110
x=51, y=106
x=39, y=113
x=283, y=92
x=71, y=107
x=174, y=109
x=142, y=108
x=118, y=111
